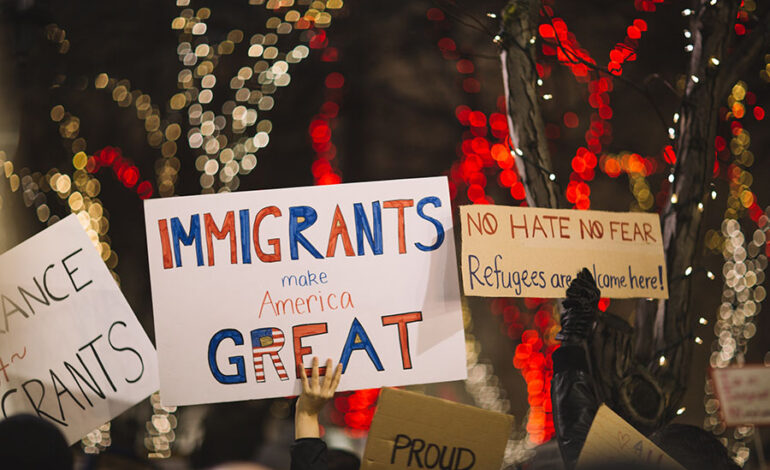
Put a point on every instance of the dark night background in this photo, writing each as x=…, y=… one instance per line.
x=396, y=120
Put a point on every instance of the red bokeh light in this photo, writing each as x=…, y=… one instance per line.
x=571, y=120
x=334, y=80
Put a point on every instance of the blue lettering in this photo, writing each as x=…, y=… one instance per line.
x=240, y=375
x=296, y=227
x=245, y=236
x=439, y=227
x=178, y=234
x=374, y=234
x=358, y=339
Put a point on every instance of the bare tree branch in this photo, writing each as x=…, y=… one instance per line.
x=525, y=120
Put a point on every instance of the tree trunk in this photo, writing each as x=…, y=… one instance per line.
x=671, y=322
x=525, y=120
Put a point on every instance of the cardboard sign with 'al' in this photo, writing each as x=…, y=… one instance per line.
x=612, y=439
x=744, y=394
x=249, y=286
x=535, y=252
x=411, y=430
x=71, y=349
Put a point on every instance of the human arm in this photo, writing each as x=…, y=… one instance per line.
x=315, y=394
x=308, y=451
x=573, y=390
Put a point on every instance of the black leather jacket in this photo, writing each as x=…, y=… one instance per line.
x=575, y=400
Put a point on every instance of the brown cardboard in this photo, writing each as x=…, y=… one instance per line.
x=536, y=252
x=612, y=439
x=406, y=422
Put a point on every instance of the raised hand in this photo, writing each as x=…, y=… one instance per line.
x=315, y=393
x=580, y=308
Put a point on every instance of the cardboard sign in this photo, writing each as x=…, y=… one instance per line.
x=744, y=394
x=534, y=252
x=71, y=349
x=247, y=286
x=611, y=438
x=411, y=430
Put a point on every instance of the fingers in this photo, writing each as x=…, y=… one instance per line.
x=326, y=387
x=303, y=376
x=336, y=378
x=314, y=381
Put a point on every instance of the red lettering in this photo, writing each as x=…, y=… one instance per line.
x=514, y=227
x=624, y=232
x=536, y=225
x=339, y=229
x=300, y=351
x=400, y=204
x=551, y=218
x=165, y=244
x=648, y=232
x=274, y=242
x=228, y=229
x=401, y=319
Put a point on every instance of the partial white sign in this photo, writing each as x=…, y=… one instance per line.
x=744, y=394
x=71, y=349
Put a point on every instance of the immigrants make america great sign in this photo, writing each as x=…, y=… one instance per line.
x=71, y=349
x=248, y=286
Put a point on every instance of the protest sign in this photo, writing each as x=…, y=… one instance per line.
x=71, y=349
x=534, y=252
x=744, y=394
x=246, y=286
x=612, y=439
x=411, y=430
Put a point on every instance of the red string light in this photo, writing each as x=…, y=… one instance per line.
x=123, y=168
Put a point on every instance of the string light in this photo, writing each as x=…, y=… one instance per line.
x=710, y=275
x=676, y=118
x=492, y=15
x=671, y=133
x=547, y=96
x=160, y=429
x=687, y=12
x=670, y=177
x=688, y=271
x=700, y=207
x=680, y=411
x=687, y=34
x=694, y=78
x=662, y=361
x=552, y=177
x=743, y=271
x=698, y=340
x=703, y=321
x=714, y=61
x=689, y=48
x=713, y=194
x=674, y=198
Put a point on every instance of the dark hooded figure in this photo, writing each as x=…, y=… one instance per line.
x=28, y=442
x=576, y=398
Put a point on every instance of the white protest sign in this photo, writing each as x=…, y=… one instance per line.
x=534, y=252
x=71, y=349
x=744, y=394
x=248, y=285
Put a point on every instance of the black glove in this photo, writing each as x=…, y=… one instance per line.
x=580, y=308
